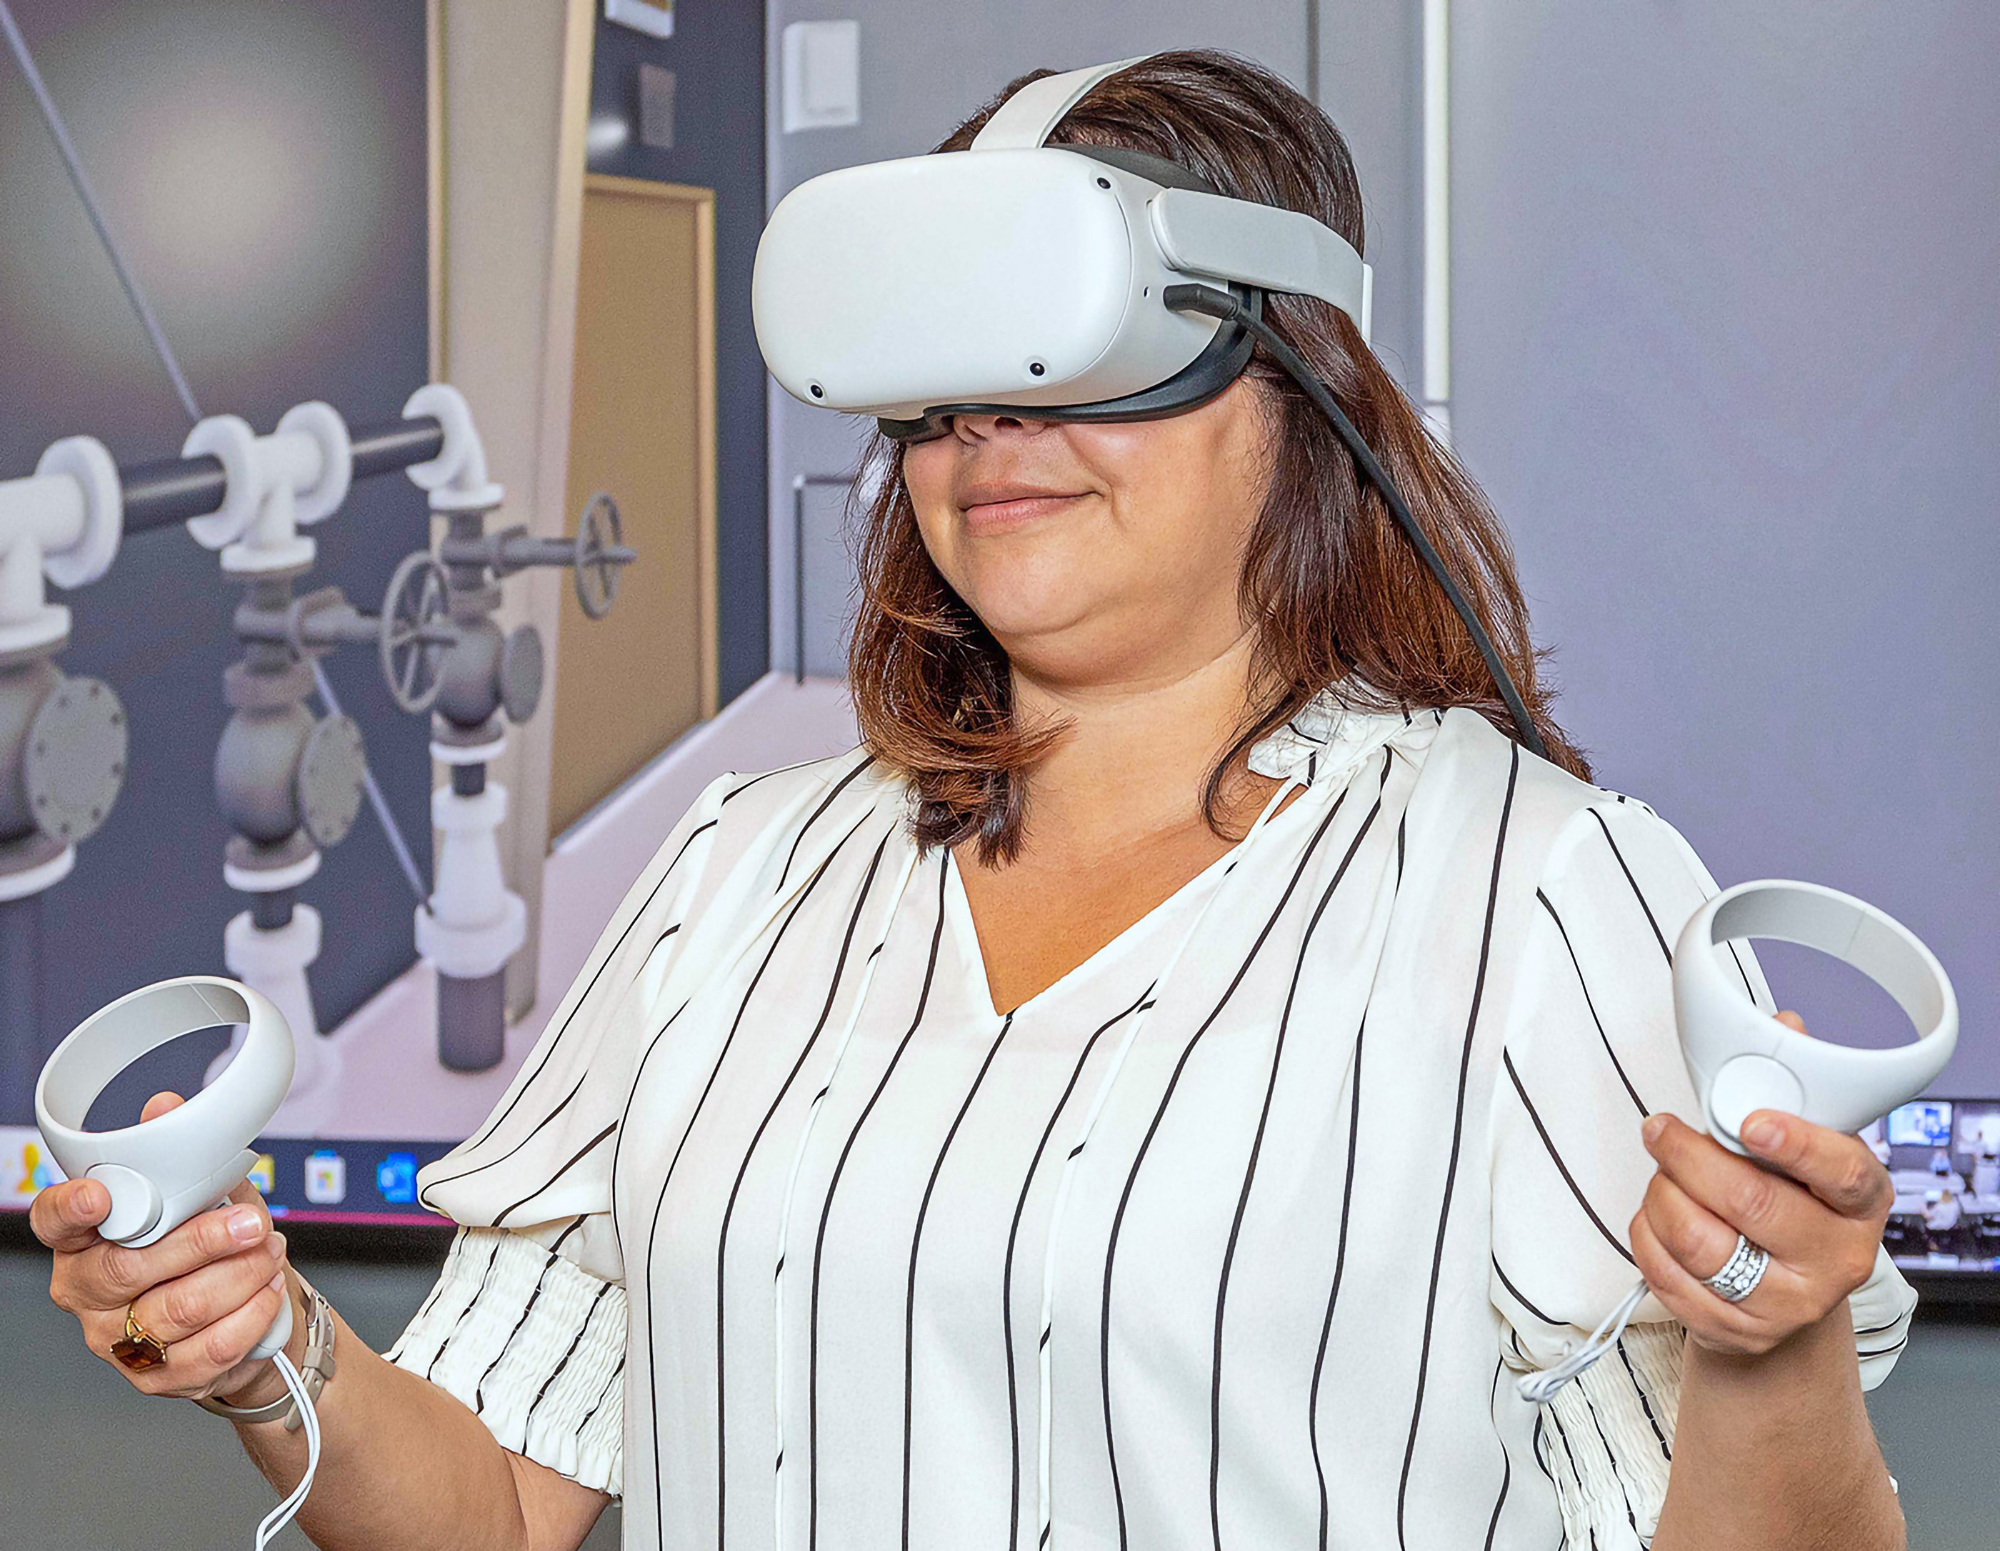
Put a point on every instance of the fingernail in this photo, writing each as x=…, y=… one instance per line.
x=278, y=1282
x=1654, y=1125
x=245, y=1225
x=1761, y=1133
x=277, y=1244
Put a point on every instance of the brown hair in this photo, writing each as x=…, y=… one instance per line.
x=1339, y=590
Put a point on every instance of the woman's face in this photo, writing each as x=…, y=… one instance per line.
x=1097, y=554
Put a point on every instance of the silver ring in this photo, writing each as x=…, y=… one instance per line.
x=1741, y=1273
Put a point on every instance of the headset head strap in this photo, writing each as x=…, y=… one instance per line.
x=1024, y=120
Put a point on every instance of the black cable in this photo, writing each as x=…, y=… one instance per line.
x=1220, y=304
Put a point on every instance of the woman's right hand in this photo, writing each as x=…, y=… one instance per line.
x=209, y=1289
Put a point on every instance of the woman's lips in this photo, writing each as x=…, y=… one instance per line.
x=997, y=516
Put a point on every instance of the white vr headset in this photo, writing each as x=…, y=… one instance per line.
x=1027, y=276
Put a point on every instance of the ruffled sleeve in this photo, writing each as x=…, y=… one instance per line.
x=1591, y=1049
x=527, y=1323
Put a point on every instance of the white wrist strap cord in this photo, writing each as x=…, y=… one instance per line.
x=1539, y=1388
x=286, y=1511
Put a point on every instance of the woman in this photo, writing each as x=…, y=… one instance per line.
x=1158, y=1091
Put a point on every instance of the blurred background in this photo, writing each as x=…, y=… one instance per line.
x=1701, y=293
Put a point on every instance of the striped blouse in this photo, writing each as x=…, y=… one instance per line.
x=1234, y=1236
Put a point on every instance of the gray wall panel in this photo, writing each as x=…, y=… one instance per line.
x=1725, y=342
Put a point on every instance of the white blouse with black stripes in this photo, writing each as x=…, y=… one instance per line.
x=1232, y=1237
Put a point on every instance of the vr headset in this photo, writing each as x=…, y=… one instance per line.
x=1025, y=276
x=1078, y=283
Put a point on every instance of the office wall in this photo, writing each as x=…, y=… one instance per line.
x=1724, y=338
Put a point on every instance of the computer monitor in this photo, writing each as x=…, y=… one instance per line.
x=1943, y=1155
x=1926, y=1123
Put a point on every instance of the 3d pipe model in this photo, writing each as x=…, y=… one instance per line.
x=289, y=782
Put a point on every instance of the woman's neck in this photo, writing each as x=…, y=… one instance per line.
x=1135, y=758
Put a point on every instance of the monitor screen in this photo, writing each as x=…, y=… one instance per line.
x=265, y=170
x=1926, y=1123
x=1943, y=1156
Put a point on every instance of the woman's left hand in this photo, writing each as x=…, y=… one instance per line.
x=1821, y=1225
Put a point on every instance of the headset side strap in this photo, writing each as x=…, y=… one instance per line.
x=1262, y=246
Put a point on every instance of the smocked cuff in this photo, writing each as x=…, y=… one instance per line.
x=1883, y=1308
x=534, y=1345
x=1609, y=1443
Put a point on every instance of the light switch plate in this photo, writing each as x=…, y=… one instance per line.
x=822, y=75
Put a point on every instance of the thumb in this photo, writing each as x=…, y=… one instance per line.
x=159, y=1104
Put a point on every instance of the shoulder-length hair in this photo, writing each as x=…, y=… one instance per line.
x=1340, y=594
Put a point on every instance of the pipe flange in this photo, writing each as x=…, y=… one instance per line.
x=251, y=868
x=74, y=761
x=521, y=670
x=452, y=744
x=327, y=785
x=323, y=424
x=89, y=463
x=229, y=440
x=472, y=604
x=40, y=651
x=32, y=863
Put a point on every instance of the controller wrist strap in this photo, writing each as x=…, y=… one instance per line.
x=316, y=1366
x=296, y=1407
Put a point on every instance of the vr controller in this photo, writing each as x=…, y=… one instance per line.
x=163, y=1171
x=1741, y=1059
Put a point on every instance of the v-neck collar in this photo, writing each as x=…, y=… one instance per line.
x=958, y=912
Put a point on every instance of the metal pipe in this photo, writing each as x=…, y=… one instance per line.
x=171, y=490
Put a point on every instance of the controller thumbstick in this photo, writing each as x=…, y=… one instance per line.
x=1748, y=1083
x=135, y=1202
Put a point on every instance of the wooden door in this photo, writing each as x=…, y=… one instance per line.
x=642, y=428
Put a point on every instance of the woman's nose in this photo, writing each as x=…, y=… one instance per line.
x=986, y=428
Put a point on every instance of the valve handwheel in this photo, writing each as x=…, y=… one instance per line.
x=415, y=629
x=600, y=555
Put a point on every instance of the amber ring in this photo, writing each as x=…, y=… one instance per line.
x=140, y=1349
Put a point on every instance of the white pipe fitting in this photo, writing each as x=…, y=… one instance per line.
x=63, y=522
x=473, y=923
x=456, y=479
x=272, y=486
x=274, y=960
